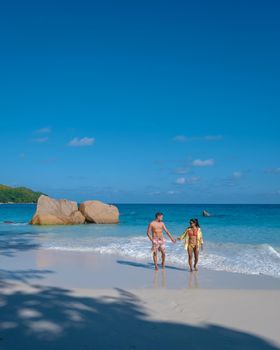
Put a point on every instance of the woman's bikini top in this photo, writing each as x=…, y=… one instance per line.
x=193, y=232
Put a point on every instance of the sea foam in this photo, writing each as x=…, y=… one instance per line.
x=232, y=257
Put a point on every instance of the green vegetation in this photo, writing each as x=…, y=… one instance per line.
x=18, y=195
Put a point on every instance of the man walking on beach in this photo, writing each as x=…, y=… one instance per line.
x=158, y=242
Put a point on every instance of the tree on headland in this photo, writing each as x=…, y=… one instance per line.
x=18, y=195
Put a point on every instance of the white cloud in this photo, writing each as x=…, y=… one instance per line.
x=181, y=181
x=183, y=138
x=192, y=180
x=171, y=192
x=84, y=141
x=154, y=193
x=273, y=171
x=237, y=174
x=41, y=139
x=234, y=179
x=203, y=163
x=43, y=130
x=187, y=181
x=181, y=171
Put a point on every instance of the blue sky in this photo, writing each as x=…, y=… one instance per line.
x=141, y=101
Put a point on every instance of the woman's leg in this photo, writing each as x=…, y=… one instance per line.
x=196, y=254
x=190, y=253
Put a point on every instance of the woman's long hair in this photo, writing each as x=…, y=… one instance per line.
x=195, y=221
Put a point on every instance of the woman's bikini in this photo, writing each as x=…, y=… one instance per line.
x=193, y=237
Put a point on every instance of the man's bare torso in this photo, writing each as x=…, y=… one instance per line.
x=157, y=229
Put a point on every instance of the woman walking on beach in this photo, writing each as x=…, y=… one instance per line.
x=193, y=242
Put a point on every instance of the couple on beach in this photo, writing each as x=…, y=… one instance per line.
x=192, y=236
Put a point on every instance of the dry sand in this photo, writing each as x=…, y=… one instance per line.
x=66, y=300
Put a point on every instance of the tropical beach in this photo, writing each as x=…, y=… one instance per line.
x=71, y=285
x=140, y=175
x=52, y=300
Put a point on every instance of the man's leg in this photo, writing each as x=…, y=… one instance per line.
x=155, y=260
x=162, y=258
x=196, y=254
x=190, y=253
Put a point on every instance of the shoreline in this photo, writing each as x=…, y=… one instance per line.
x=96, y=270
x=53, y=299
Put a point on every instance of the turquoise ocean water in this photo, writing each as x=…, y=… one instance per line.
x=238, y=238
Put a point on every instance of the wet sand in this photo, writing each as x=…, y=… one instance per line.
x=55, y=300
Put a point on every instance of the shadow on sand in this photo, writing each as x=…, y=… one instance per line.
x=11, y=244
x=149, y=266
x=55, y=318
x=22, y=276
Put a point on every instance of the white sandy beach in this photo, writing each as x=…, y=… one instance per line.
x=130, y=129
x=57, y=300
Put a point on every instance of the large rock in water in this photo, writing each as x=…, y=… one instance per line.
x=99, y=213
x=57, y=212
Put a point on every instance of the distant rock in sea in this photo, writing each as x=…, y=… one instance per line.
x=205, y=213
x=57, y=212
x=99, y=213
